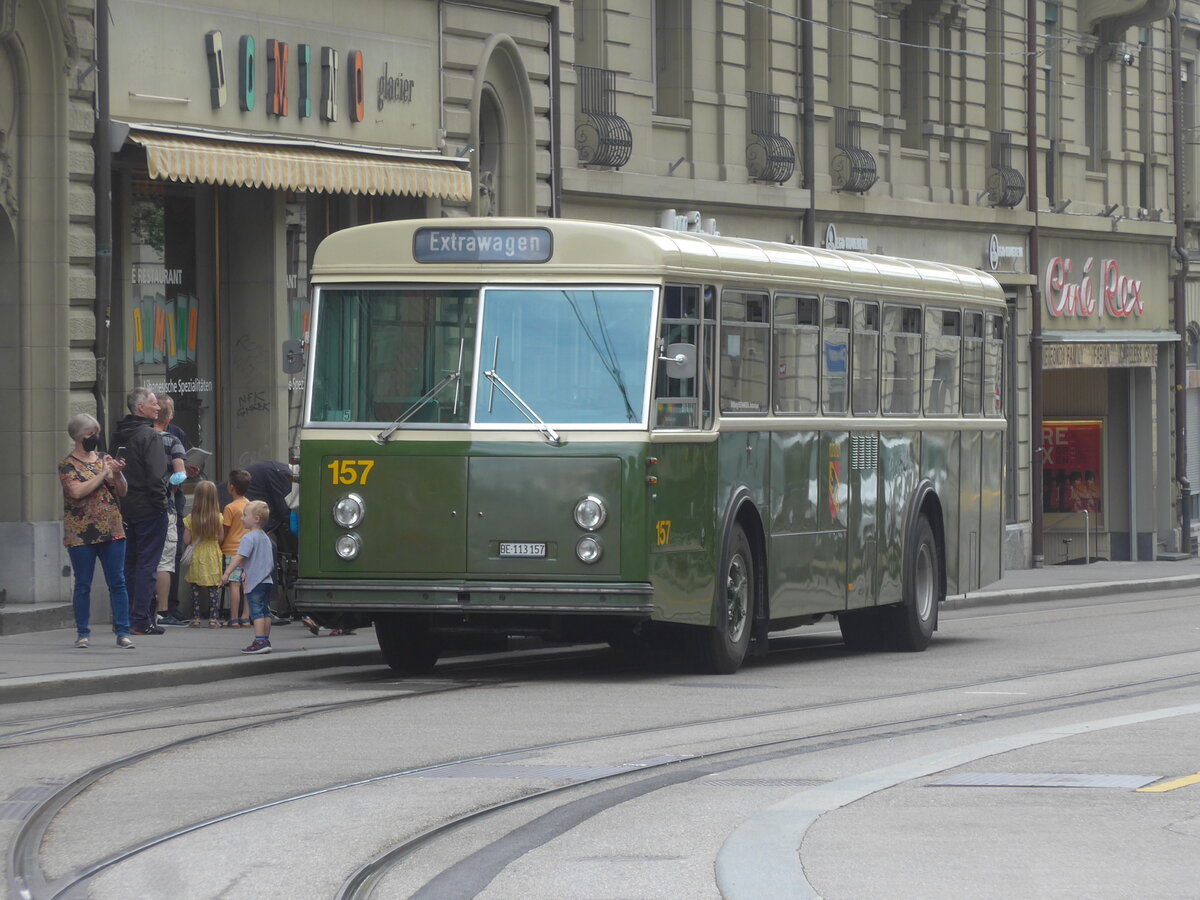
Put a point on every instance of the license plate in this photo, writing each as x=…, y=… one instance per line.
x=511, y=548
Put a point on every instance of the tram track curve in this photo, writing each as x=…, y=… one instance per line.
x=63, y=885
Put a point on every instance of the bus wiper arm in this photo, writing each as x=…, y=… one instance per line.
x=383, y=436
x=524, y=408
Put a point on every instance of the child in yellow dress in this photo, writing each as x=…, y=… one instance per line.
x=203, y=531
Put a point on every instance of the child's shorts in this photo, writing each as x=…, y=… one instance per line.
x=260, y=601
x=237, y=574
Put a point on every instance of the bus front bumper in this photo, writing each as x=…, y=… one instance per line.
x=551, y=598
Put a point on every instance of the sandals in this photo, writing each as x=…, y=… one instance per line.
x=195, y=623
x=312, y=625
x=212, y=623
x=81, y=643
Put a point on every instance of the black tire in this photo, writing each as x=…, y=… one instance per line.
x=720, y=649
x=407, y=645
x=863, y=629
x=914, y=621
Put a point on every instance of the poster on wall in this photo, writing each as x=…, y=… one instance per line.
x=1072, y=470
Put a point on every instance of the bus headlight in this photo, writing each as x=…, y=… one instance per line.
x=590, y=513
x=348, y=546
x=348, y=511
x=589, y=549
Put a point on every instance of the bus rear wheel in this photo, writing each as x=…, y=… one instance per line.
x=406, y=642
x=914, y=621
x=720, y=649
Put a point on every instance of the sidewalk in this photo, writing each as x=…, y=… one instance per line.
x=44, y=664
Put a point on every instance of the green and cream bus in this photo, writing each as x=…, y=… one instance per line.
x=586, y=430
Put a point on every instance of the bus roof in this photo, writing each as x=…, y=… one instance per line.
x=384, y=252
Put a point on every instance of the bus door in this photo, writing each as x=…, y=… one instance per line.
x=863, y=461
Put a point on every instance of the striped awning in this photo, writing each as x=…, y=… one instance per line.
x=172, y=157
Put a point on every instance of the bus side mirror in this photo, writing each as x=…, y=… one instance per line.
x=680, y=361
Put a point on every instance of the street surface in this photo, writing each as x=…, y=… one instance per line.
x=583, y=773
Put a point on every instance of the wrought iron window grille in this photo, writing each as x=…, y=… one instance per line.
x=852, y=168
x=770, y=157
x=1005, y=185
x=603, y=139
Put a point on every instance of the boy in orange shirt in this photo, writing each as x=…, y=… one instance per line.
x=231, y=518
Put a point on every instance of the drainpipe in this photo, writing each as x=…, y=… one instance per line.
x=1180, y=286
x=1035, y=293
x=102, y=186
x=556, y=114
x=808, y=87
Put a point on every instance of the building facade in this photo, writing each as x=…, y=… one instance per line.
x=245, y=132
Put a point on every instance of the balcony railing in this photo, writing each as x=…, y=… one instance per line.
x=852, y=168
x=770, y=156
x=602, y=138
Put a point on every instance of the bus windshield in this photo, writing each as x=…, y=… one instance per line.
x=380, y=351
x=574, y=356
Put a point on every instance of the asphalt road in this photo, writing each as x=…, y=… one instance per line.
x=1004, y=761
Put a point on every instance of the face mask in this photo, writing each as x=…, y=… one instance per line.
x=90, y=443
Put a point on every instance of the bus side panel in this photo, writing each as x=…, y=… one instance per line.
x=992, y=508
x=800, y=554
x=898, y=455
x=680, y=533
x=940, y=454
x=970, y=474
x=743, y=462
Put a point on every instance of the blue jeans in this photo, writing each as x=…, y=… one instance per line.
x=112, y=560
x=145, y=537
x=260, y=601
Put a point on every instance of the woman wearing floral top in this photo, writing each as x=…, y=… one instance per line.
x=93, y=528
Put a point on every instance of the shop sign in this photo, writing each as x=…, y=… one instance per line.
x=390, y=88
x=1099, y=356
x=1091, y=289
x=833, y=241
x=1072, y=472
x=998, y=254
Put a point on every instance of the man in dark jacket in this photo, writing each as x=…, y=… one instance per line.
x=144, y=507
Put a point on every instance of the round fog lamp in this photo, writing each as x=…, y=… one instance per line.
x=348, y=511
x=590, y=513
x=589, y=549
x=347, y=546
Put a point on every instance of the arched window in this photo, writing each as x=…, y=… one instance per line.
x=502, y=132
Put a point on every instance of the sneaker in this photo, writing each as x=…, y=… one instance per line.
x=258, y=647
x=124, y=642
x=172, y=621
x=81, y=643
x=149, y=629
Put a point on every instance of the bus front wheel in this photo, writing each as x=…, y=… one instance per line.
x=406, y=642
x=914, y=621
x=720, y=649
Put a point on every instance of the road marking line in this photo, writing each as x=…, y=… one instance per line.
x=1171, y=785
x=760, y=860
x=1005, y=693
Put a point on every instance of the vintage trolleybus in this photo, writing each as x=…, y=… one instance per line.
x=579, y=429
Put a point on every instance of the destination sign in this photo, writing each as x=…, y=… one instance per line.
x=469, y=245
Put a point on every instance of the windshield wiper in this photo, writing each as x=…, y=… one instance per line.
x=514, y=398
x=427, y=397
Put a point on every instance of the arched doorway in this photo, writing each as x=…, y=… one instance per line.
x=502, y=167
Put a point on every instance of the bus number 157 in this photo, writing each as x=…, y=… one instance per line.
x=351, y=471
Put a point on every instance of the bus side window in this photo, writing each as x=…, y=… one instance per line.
x=972, y=367
x=943, y=351
x=677, y=402
x=865, y=383
x=835, y=356
x=901, y=363
x=796, y=331
x=993, y=367
x=745, y=336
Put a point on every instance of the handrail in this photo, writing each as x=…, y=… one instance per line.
x=1087, y=532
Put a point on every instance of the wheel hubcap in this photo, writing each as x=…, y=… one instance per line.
x=737, y=597
x=923, y=583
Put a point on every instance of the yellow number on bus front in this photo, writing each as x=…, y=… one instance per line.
x=351, y=471
x=663, y=528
